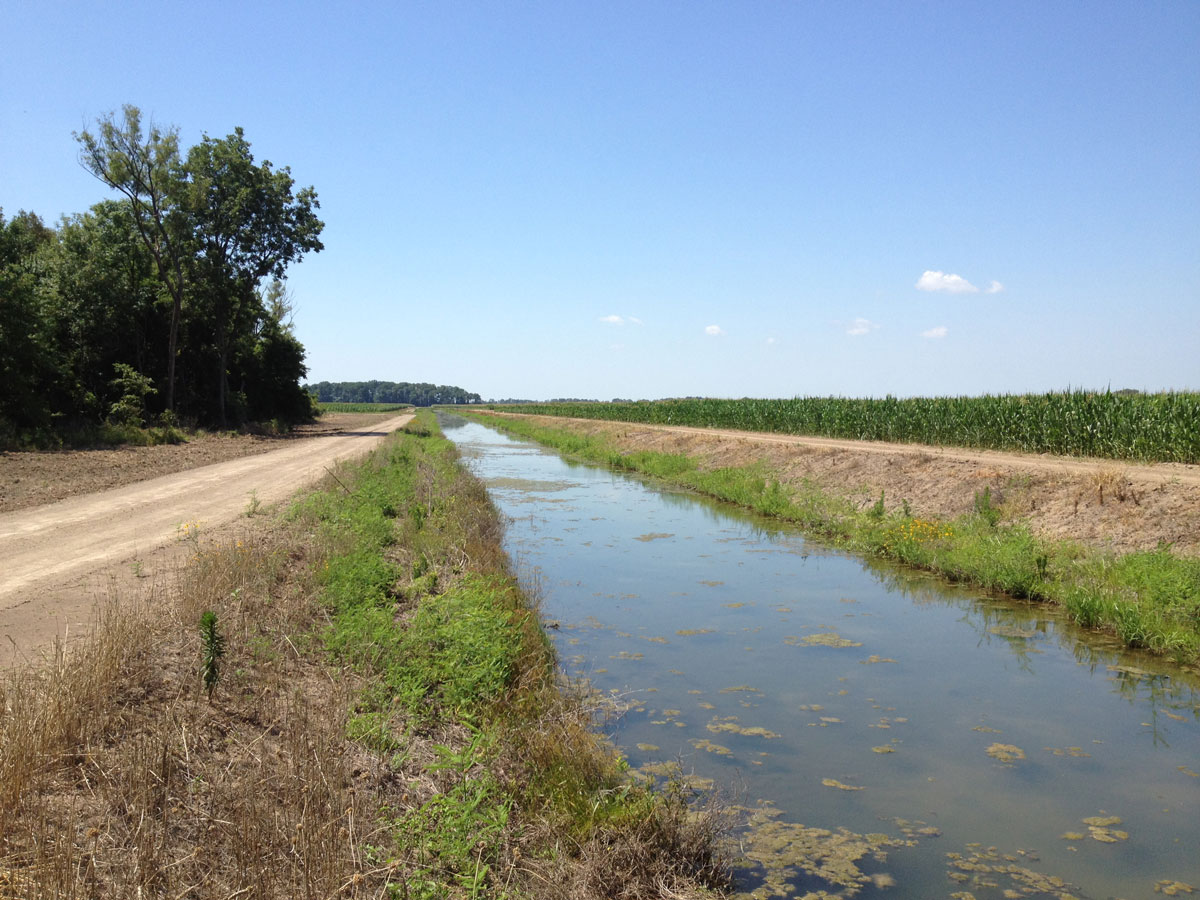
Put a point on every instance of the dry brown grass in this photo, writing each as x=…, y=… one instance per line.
x=118, y=778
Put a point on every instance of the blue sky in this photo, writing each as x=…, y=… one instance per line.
x=647, y=199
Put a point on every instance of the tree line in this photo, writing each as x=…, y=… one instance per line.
x=164, y=304
x=422, y=394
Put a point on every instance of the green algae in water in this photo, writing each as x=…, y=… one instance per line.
x=785, y=850
x=709, y=747
x=822, y=639
x=1077, y=752
x=1169, y=888
x=1006, y=753
x=841, y=786
x=988, y=869
x=653, y=536
x=731, y=724
x=873, y=660
x=884, y=749
x=689, y=632
x=741, y=688
x=649, y=748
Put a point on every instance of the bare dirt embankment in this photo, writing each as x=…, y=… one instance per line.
x=124, y=519
x=1104, y=503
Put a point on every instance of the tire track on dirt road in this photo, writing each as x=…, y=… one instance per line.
x=56, y=559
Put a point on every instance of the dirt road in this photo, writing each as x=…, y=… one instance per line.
x=55, y=560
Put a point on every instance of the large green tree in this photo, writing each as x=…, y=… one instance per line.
x=145, y=169
x=246, y=223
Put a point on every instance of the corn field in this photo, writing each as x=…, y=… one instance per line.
x=1148, y=427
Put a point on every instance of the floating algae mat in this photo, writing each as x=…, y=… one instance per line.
x=889, y=736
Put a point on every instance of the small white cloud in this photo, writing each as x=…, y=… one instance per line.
x=612, y=320
x=634, y=320
x=861, y=326
x=939, y=332
x=950, y=284
x=771, y=342
x=994, y=288
x=713, y=330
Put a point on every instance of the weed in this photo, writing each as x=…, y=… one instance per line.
x=984, y=508
x=211, y=650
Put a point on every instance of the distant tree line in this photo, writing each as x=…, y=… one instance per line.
x=164, y=304
x=422, y=394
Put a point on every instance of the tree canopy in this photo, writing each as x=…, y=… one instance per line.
x=422, y=394
x=175, y=285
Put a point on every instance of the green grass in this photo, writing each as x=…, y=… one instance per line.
x=362, y=407
x=1162, y=427
x=1150, y=599
x=421, y=606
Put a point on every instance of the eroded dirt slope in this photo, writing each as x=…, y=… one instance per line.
x=1099, y=502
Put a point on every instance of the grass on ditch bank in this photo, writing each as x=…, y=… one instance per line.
x=369, y=709
x=1151, y=600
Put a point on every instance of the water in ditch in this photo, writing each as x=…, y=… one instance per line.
x=884, y=734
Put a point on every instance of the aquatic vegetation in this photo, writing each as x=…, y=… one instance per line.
x=709, y=747
x=785, y=850
x=873, y=659
x=1077, y=752
x=690, y=632
x=821, y=639
x=1100, y=829
x=1006, y=753
x=989, y=869
x=731, y=724
x=653, y=536
x=884, y=749
x=649, y=748
x=1170, y=888
x=739, y=688
x=834, y=783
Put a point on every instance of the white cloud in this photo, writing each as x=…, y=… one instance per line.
x=939, y=332
x=620, y=320
x=861, y=326
x=994, y=288
x=713, y=330
x=771, y=342
x=950, y=284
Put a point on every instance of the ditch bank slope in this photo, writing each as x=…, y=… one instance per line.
x=1102, y=503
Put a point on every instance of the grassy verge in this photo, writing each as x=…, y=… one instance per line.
x=353, y=701
x=1151, y=600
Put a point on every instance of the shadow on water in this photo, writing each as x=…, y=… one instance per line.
x=888, y=734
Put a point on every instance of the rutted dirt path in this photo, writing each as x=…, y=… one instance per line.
x=58, y=558
x=1107, y=503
